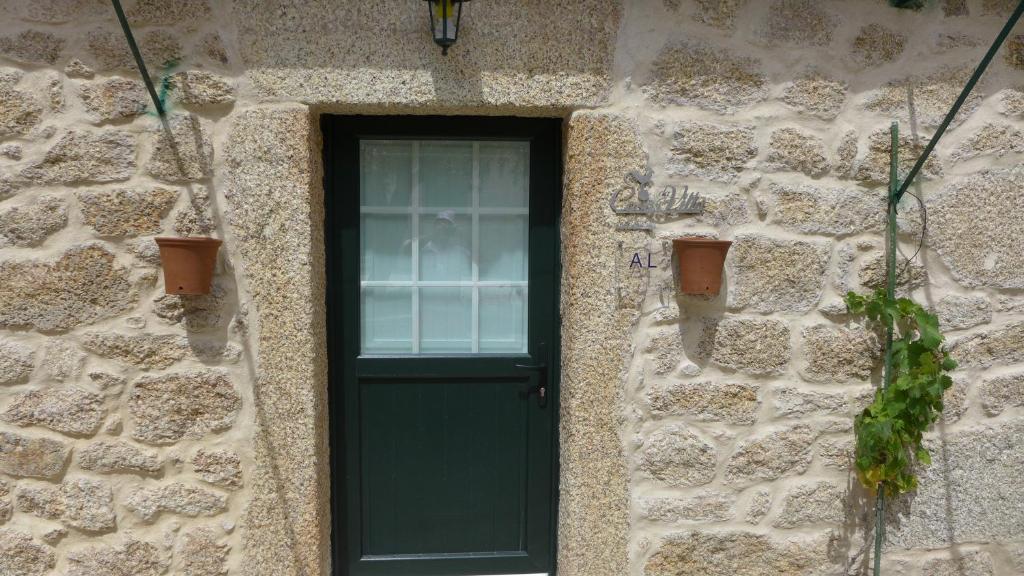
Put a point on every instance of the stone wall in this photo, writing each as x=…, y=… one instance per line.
x=699, y=436
x=738, y=409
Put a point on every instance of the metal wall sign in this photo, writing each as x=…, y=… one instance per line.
x=642, y=210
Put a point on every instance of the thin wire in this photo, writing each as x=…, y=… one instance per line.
x=920, y=242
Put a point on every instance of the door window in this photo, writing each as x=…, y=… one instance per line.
x=444, y=229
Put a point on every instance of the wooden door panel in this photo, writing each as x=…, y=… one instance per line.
x=429, y=486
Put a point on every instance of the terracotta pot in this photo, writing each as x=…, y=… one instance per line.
x=700, y=264
x=188, y=264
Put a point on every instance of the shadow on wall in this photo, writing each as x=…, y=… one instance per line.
x=208, y=337
x=379, y=53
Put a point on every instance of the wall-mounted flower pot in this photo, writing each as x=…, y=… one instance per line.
x=188, y=264
x=700, y=263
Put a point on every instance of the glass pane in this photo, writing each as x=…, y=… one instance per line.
x=385, y=173
x=446, y=246
x=446, y=174
x=504, y=170
x=386, y=247
x=387, y=320
x=445, y=320
x=503, y=241
x=503, y=319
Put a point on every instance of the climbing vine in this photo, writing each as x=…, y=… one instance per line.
x=890, y=430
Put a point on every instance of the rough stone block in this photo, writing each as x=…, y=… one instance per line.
x=832, y=211
x=933, y=96
x=157, y=351
x=157, y=13
x=194, y=312
x=114, y=99
x=719, y=14
x=812, y=503
x=795, y=402
x=872, y=273
x=1002, y=392
x=837, y=354
x=735, y=553
x=969, y=229
x=990, y=140
x=81, y=287
x=118, y=457
x=199, y=88
x=84, y=157
x=1013, y=51
x=957, y=312
x=219, y=467
x=126, y=212
x=771, y=455
x=131, y=556
x=80, y=503
x=175, y=498
x=874, y=167
x=713, y=151
x=707, y=401
x=773, y=275
x=678, y=457
x=760, y=504
x=1012, y=101
x=16, y=362
x=62, y=360
x=698, y=74
x=108, y=49
x=21, y=556
x=68, y=410
x=750, y=345
x=963, y=563
x=29, y=225
x=202, y=555
x=666, y=348
x=817, y=95
x=877, y=44
x=798, y=151
x=836, y=453
x=707, y=506
x=33, y=457
x=970, y=493
x=185, y=154
x=799, y=23
x=195, y=219
x=78, y=69
x=20, y=112
x=169, y=407
x=1003, y=345
x=32, y=46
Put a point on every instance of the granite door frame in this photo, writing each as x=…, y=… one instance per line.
x=274, y=193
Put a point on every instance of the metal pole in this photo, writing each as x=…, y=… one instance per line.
x=890, y=292
x=961, y=99
x=138, y=56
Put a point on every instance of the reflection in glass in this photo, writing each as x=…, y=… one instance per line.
x=446, y=320
x=503, y=319
x=385, y=170
x=387, y=320
x=446, y=247
x=446, y=174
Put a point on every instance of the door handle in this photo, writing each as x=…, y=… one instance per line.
x=541, y=389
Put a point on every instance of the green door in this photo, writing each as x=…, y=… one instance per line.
x=442, y=305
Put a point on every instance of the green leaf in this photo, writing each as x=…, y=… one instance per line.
x=890, y=430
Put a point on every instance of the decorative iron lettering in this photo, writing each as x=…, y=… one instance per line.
x=668, y=202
